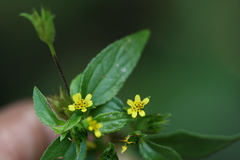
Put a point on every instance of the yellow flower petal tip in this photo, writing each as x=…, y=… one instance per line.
x=71, y=107
x=124, y=148
x=80, y=103
x=137, y=106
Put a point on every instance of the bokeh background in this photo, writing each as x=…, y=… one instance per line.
x=190, y=67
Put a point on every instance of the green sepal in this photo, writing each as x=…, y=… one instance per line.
x=107, y=72
x=153, y=151
x=109, y=153
x=63, y=135
x=113, y=121
x=57, y=149
x=43, y=111
x=74, y=120
x=193, y=145
x=113, y=105
x=126, y=108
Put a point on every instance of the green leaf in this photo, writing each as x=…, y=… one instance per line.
x=71, y=154
x=76, y=85
x=43, y=111
x=69, y=124
x=107, y=72
x=113, y=121
x=65, y=150
x=152, y=151
x=109, y=153
x=114, y=104
x=192, y=145
x=57, y=149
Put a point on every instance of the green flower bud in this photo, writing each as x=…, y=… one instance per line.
x=152, y=123
x=43, y=24
x=59, y=104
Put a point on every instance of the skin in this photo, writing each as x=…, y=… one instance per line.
x=22, y=135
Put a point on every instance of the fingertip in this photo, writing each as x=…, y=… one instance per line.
x=22, y=135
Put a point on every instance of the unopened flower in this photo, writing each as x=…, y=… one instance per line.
x=137, y=106
x=80, y=103
x=94, y=126
x=43, y=24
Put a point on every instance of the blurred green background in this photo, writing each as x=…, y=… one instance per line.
x=190, y=66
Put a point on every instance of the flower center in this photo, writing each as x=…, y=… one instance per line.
x=138, y=106
x=81, y=104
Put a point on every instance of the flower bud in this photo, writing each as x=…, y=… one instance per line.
x=43, y=24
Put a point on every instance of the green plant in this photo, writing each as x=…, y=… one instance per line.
x=88, y=113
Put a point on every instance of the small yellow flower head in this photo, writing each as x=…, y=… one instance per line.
x=79, y=103
x=124, y=148
x=137, y=106
x=93, y=125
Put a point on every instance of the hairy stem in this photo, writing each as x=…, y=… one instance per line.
x=51, y=47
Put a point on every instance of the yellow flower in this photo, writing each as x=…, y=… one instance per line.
x=80, y=103
x=137, y=106
x=93, y=125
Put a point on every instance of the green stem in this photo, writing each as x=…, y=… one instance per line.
x=54, y=55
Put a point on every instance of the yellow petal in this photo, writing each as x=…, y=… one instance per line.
x=126, y=138
x=145, y=101
x=99, y=125
x=88, y=97
x=77, y=97
x=89, y=103
x=130, y=103
x=84, y=109
x=129, y=111
x=97, y=133
x=90, y=128
x=137, y=98
x=71, y=107
x=89, y=119
x=124, y=148
x=134, y=114
x=142, y=113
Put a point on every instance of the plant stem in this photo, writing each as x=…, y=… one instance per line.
x=54, y=55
